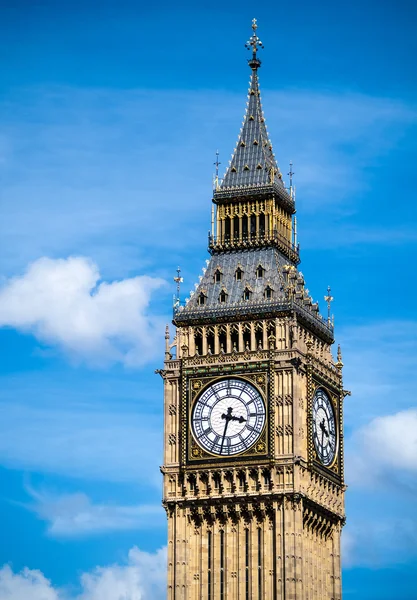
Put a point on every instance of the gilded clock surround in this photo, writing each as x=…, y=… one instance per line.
x=265, y=524
x=258, y=450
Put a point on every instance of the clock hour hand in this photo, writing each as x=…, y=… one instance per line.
x=240, y=419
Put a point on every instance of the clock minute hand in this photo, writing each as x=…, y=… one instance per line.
x=227, y=417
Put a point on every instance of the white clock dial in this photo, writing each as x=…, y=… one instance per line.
x=228, y=417
x=324, y=427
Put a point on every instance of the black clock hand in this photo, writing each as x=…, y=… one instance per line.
x=228, y=417
x=322, y=432
x=224, y=434
x=240, y=419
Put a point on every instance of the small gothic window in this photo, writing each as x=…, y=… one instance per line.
x=255, y=142
x=246, y=168
x=222, y=296
x=233, y=169
x=260, y=271
x=247, y=294
x=268, y=292
x=262, y=225
x=251, y=118
x=242, y=143
x=201, y=299
x=198, y=337
x=217, y=276
x=238, y=274
x=259, y=166
x=236, y=227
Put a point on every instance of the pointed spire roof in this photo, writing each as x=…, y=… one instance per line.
x=253, y=162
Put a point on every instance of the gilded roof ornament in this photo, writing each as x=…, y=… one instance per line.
x=178, y=280
x=329, y=299
x=253, y=44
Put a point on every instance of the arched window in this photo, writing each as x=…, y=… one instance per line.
x=247, y=337
x=236, y=228
x=217, y=276
x=260, y=271
x=244, y=227
x=238, y=274
x=201, y=300
x=222, y=339
x=268, y=293
x=210, y=340
x=261, y=225
x=253, y=226
x=247, y=294
x=259, y=336
x=227, y=229
x=234, y=337
x=198, y=341
x=222, y=296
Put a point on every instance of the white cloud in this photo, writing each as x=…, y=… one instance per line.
x=385, y=451
x=380, y=443
x=74, y=515
x=392, y=440
x=27, y=584
x=143, y=577
x=381, y=414
x=64, y=303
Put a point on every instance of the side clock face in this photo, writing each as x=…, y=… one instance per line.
x=324, y=427
x=228, y=417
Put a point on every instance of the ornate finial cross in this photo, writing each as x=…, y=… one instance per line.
x=216, y=178
x=339, y=363
x=329, y=299
x=254, y=42
x=291, y=173
x=178, y=280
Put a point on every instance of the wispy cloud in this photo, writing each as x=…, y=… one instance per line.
x=80, y=429
x=381, y=443
x=380, y=542
x=141, y=577
x=389, y=445
x=381, y=368
x=63, y=302
x=74, y=515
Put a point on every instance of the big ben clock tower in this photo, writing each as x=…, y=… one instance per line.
x=253, y=402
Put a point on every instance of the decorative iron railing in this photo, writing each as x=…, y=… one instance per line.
x=253, y=240
x=236, y=310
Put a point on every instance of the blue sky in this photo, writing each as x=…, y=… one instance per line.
x=110, y=117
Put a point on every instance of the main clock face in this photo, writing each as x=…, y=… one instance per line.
x=324, y=427
x=228, y=417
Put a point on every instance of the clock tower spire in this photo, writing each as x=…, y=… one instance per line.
x=253, y=401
